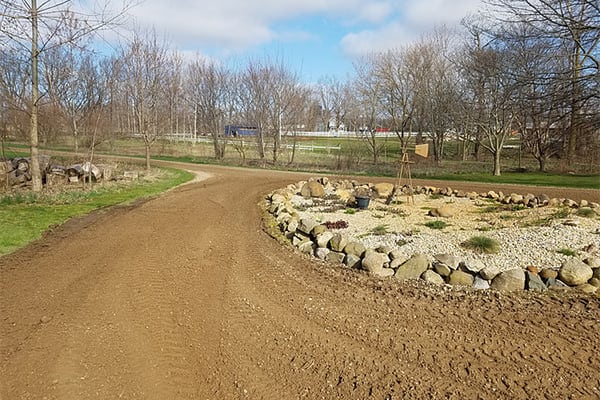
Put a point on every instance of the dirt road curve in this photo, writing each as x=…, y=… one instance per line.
x=185, y=297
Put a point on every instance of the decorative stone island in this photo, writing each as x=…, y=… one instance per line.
x=535, y=234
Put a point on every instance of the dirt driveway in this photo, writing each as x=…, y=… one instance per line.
x=185, y=297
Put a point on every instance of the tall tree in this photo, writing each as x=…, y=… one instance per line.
x=367, y=112
x=573, y=26
x=268, y=91
x=208, y=88
x=434, y=86
x=34, y=28
x=397, y=94
x=145, y=69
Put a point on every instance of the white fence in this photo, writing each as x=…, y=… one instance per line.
x=183, y=137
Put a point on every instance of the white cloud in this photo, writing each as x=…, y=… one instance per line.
x=412, y=19
x=235, y=24
x=424, y=12
x=393, y=35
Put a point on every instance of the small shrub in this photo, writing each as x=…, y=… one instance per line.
x=402, y=242
x=563, y=212
x=380, y=230
x=586, y=212
x=567, y=252
x=509, y=216
x=341, y=224
x=351, y=211
x=398, y=212
x=437, y=224
x=436, y=196
x=482, y=244
x=493, y=208
x=490, y=209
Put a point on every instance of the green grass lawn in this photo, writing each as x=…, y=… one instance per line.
x=353, y=149
x=520, y=178
x=24, y=217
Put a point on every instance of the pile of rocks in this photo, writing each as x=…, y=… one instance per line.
x=313, y=238
x=16, y=172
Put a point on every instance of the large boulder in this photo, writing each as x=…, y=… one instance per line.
x=473, y=266
x=374, y=261
x=352, y=261
x=322, y=252
x=413, y=268
x=534, y=282
x=460, y=278
x=355, y=248
x=489, y=272
x=335, y=257
x=338, y=242
x=480, y=283
x=306, y=225
x=593, y=262
x=574, y=272
x=312, y=189
x=510, y=280
x=345, y=196
x=324, y=238
x=383, y=190
x=442, y=269
x=450, y=260
x=431, y=277
x=444, y=211
x=307, y=247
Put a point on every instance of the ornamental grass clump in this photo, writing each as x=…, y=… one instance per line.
x=481, y=244
x=436, y=224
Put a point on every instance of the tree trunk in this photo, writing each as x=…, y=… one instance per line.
x=542, y=163
x=36, y=174
x=148, y=156
x=497, y=163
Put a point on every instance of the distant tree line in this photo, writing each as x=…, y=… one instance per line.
x=523, y=67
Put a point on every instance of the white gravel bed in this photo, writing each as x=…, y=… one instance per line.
x=518, y=246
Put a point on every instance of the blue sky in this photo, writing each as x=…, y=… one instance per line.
x=316, y=38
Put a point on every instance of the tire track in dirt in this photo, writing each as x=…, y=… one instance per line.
x=186, y=297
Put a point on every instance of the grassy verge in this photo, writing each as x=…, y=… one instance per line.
x=24, y=217
x=521, y=178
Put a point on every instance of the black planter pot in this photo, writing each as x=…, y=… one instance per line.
x=362, y=202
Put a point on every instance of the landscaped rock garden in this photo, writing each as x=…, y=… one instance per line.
x=494, y=240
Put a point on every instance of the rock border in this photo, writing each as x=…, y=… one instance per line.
x=316, y=240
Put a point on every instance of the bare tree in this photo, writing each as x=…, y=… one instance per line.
x=366, y=113
x=434, y=83
x=334, y=100
x=34, y=28
x=208, y=87
x=397, y=94
x=14, y=92
x=495, y=112
x=267, y=93
x=573, y=26
x=145, y=68
x=71, y=77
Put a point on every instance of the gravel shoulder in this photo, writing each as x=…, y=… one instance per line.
x=186, y=297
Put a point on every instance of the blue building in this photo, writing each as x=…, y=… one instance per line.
x=240, y=130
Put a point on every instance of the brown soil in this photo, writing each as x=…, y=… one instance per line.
x=185, y=296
